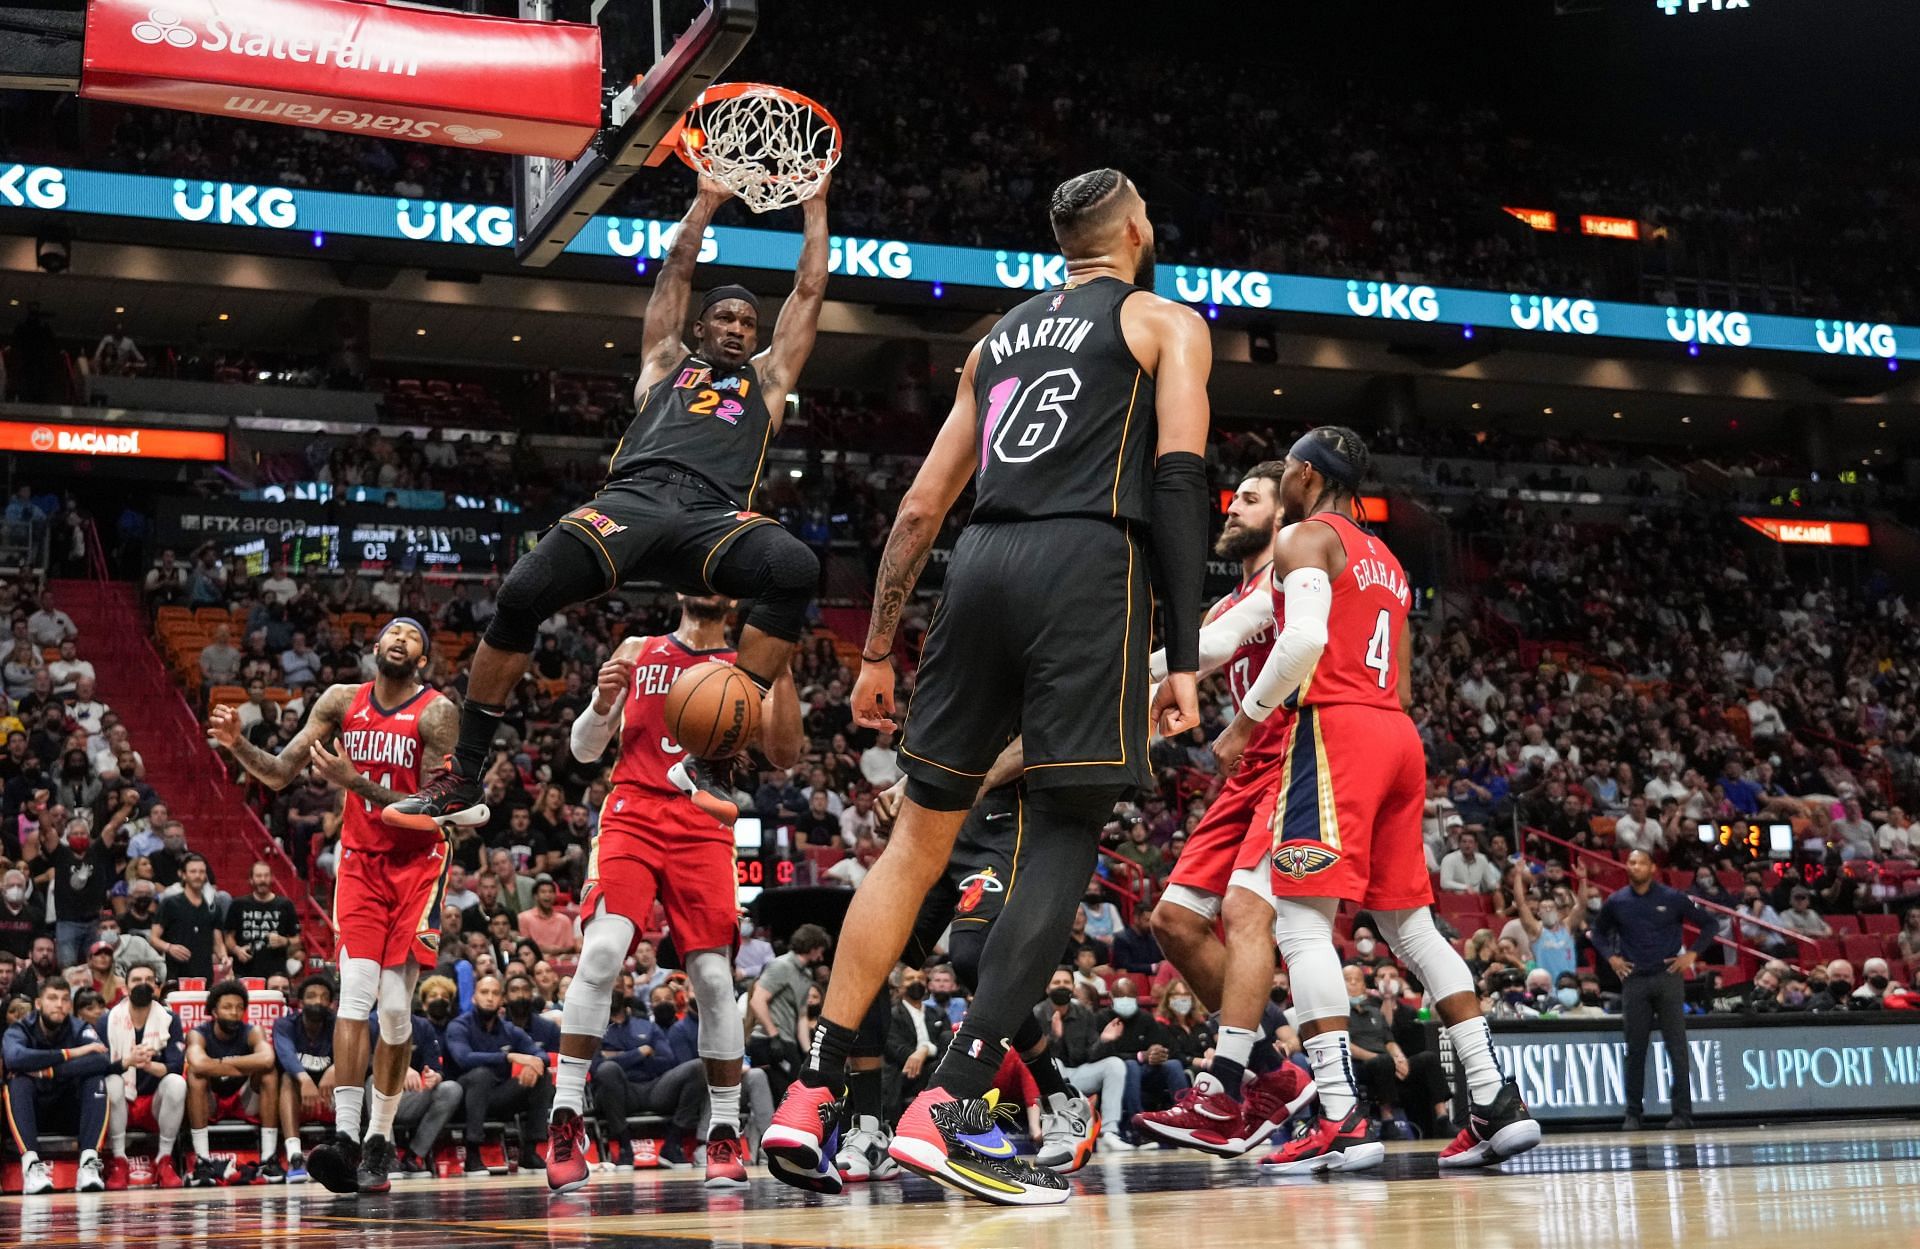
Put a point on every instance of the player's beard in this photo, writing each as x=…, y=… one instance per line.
x=1239, y=542
x=703, y=611
x=395, y=671
x=1143, y=269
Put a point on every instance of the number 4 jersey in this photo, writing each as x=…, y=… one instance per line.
x=384, y=745
x=1370, y=603
x=1065, y=412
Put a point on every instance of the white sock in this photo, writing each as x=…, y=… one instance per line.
x=1473, y=1050
x=725, y=1112
x=1236, y=1044
x=348, y=1102
x=293, y=1148
x=166, y=1146
x=120, y=1143
x=201, y=1149
x=1332, y=1062
x=269, y=1142
x=570, y=1084
x=385, y=1106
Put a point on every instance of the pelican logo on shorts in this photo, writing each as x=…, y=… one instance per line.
x=1298, y=860
x=431, y=940
x=976, y=887
x=601, y=524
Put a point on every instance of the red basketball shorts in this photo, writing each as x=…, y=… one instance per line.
x=140, y=1116
x=649, y=846
x=386, y=904
x=1200, y=877
x=1343, y=819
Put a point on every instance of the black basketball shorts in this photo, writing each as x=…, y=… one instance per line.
x=1044, y=630
x=661, y=524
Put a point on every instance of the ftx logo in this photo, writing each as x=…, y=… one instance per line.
x=1671, y=7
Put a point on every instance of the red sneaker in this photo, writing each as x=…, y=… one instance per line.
x=1202, y=1118
x=140, y=1173
x=168, y=1173
x=1347, y=1145
x=567, y=1153
x=1271, y=1100
x=805, y=1135
x=119, y=1171
x=726, y=1162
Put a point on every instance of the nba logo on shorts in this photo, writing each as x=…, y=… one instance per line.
x=1299, y=860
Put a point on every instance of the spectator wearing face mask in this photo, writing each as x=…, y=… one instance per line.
x=918, y=1032
x=20, y=921
x=1794, y=996
x=1145, y=1045
x=638, y=1072
x=149, y=1093
x=1103, y=917
x=1087, y=1059
x=303, y=1049
x=1876, y=979
x=1551, y=936
x=1837, y=994
x=944, y=990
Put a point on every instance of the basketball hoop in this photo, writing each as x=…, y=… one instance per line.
x=770, y=146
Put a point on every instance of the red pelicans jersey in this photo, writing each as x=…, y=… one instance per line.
x=650, y=759
x=1370, y=603
x=384, y=745
x=1248, y=659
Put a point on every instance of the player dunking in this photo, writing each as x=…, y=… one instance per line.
x=1344, y=820
x=678, y=501
x=386, y=900
x=660, y=833
x=1081, y=419
x=1219, y=1117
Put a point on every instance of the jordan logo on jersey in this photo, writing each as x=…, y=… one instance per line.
x=603, y=525
x=1299, y=860
x=976, y=887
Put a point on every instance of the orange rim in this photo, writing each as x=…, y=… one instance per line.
x=684, y=138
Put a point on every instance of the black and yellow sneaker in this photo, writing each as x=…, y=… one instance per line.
x=960, y=1144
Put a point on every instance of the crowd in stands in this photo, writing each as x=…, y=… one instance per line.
x=1317, y=170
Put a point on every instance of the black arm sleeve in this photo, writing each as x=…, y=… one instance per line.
x=1179, y=552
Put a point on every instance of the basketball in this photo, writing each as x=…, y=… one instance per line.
x=712, y=710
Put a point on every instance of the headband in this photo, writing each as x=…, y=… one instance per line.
x=1326, y=457
x=426, y=638
x=720, y=294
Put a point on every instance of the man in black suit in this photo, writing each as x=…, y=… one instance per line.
x=917, y=1035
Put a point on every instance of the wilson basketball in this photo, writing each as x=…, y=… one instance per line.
x=713, y=710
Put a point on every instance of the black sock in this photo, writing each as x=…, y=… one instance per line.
x=972, y=1063
x=478, y=723
x=864, y=1094
x=826, y=1066
x=1037, y=1052
x=1230, y=1074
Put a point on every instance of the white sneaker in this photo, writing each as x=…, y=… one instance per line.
x=1116, y=1143
x=89, y=1178
x=39, y=1179
x=1068, y=1130
x=863, y=1155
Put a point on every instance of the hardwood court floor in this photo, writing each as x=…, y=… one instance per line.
x=1833, y=1186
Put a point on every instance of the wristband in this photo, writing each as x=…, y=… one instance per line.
x=881, y=658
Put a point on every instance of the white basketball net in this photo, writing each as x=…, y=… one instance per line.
x=770, y=150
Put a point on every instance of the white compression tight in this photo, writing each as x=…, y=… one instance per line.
x=1412, y=936
x=602, y=952
x=1303, y=929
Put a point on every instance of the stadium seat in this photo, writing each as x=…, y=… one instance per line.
x=1844, y=925
x=1859, y=949
x=211, y=616
x=1825, y=949
x=1880, y=925
x=221, y=695
x=279, y=695
x=164, y=614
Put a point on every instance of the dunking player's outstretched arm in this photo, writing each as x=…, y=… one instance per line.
x=942, y=476
x=1173, y=344
x=662, y=340
x=1304, y=559
x=780, y=364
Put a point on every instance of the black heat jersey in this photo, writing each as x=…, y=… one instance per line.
x=697, y=418
x=1066, y=413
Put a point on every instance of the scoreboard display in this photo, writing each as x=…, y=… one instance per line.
x=760, y=858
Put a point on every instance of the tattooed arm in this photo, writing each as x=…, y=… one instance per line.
x=942, y=476
x=278, y=771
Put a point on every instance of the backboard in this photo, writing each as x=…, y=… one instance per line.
x=659, y=56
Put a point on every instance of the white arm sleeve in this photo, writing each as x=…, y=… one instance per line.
x=1309, y=600
x=1222, y=635
x=592, y=731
